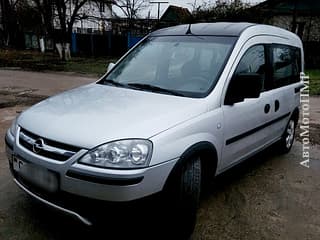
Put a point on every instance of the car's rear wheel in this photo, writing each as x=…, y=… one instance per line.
x=287, y=139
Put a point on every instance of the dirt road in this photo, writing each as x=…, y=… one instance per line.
x=267, y=197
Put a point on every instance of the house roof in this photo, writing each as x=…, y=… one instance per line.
x=175, y=14
x=217, y=29
x=288, y=6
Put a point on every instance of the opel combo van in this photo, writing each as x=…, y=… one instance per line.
x=184, y=105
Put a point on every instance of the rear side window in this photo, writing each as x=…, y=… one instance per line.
x=286, y=65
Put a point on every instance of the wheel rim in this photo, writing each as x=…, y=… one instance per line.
x=290, y=134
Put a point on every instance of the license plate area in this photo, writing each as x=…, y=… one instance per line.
x=36, y=175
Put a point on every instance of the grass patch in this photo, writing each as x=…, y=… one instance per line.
x=96, y=66
x=314, y=75
x=35, y=61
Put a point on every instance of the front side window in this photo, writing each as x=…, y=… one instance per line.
x=253, y=61
x=248, y=78
x=181, y=65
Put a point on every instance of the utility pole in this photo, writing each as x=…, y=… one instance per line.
x=294, y=18
x=159, y=3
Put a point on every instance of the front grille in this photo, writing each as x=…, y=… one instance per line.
x=46, y=147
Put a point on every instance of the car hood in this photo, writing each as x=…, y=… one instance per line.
x=94, y=114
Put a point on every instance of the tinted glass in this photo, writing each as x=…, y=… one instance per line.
x=286, y=65
x=253, y=61
x=188, y=65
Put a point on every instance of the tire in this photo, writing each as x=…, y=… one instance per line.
x=185, y=196
x=287, y=139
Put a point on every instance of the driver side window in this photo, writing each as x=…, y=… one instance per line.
x=249, y=76
x=253, y=61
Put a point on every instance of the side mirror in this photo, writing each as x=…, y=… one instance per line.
x=243, y=85
x=110, y=66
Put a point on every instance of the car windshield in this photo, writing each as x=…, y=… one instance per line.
x=178, y=65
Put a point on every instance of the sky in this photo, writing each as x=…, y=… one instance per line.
x=182, y=3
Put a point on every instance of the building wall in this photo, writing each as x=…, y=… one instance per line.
x=311, y=26
x=310, y=35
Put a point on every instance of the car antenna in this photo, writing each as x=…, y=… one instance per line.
x=189, y=29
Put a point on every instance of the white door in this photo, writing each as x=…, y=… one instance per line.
x=245, y=128
x=285, y=71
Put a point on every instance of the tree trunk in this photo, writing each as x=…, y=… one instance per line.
x=9, y=21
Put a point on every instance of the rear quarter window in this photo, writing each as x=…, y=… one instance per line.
x=286, y=65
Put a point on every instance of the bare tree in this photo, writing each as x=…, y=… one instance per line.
x=67, y=13
x=45, y=11
x=103, y=6
x=131, y=8
x=63, y=14
x=20, y=16
x=67, y=19
x=9, y=21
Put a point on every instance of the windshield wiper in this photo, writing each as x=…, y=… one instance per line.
x=151, y=88
x=113, y=83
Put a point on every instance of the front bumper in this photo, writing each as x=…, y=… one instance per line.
x=72, y=213
x=87, y=182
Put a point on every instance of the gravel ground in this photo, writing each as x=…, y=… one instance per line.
x=266, y=197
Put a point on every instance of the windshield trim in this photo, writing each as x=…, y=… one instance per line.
x=181, y=93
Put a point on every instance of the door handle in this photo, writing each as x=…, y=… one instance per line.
x=276, y=105
x=267, y=108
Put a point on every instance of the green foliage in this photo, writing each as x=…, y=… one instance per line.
x=314, y=75
x=222, y=10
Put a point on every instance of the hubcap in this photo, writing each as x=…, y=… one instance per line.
x=290, y=134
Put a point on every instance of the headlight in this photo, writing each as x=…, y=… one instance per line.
x=13, y=128
x=131, y=153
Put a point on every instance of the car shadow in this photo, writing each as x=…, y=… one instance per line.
x=239, y=171
x=146, y=219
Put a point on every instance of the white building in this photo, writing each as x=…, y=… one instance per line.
x=93, y=17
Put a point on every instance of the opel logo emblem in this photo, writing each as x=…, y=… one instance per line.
x=38, y=145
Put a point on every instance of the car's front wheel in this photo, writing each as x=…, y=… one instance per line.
x=184, y=195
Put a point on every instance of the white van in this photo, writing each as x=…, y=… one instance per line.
x=185, y=104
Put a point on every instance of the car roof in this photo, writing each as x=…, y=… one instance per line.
x=215, y=29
